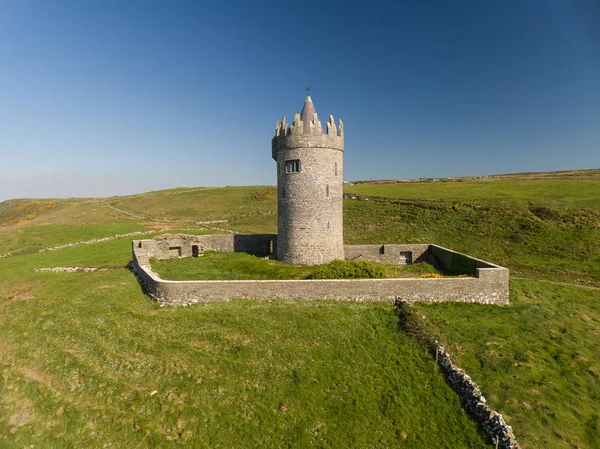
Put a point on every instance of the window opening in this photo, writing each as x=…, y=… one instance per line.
x=327, y=191
x=283, y=192
x=405, y=257
x=292, y=166
x=335, y=168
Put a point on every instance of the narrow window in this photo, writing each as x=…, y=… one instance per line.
x=292, y=166
x=327, y=191
x=283, y=192
x=335, y=168
x=328, y=225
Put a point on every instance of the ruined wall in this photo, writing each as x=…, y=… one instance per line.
x=182, y=245
x=489, y=285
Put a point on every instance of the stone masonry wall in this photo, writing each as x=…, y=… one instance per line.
x=309, y=202
x=488, y=286
x=392, y=254
x=163, y=246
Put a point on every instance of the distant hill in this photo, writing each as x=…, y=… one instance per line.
x=523, y=175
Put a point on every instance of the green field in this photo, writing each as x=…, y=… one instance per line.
x=89, y=361
x=578, y=189
x=537, y=360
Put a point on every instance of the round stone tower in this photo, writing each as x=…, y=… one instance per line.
x=309, y=188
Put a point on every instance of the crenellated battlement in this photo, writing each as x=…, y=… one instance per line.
x=307, y=134
x=282, y=129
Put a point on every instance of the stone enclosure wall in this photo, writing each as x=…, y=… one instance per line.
x=488, y=283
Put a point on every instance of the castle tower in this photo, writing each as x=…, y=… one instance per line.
x=309, y=188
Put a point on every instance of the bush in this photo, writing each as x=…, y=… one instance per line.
x=348, y=269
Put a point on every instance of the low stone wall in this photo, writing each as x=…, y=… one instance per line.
x=473, y=401
x=489, y=285
x=492, y=422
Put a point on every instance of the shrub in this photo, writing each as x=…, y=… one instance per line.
x=348, y=269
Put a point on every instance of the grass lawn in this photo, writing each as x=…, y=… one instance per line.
x=88, y=361
x=537, y=359
x=238, y=266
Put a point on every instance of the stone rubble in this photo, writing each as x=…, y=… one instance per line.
x=68, y=269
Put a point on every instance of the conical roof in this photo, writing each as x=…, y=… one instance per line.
x=307, y=114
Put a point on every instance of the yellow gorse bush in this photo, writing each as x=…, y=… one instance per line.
x=429, y=275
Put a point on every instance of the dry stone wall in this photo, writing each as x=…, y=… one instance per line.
x=473, y=401
x=492, y=422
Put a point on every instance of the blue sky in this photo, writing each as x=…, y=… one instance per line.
x=113, y=97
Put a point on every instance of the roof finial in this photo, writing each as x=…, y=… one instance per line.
x=308, y=91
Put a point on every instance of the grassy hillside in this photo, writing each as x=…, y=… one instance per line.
x=89, y=361
x=548, y=244
x=83, y=353
x=537, y=359
x=579, y=189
